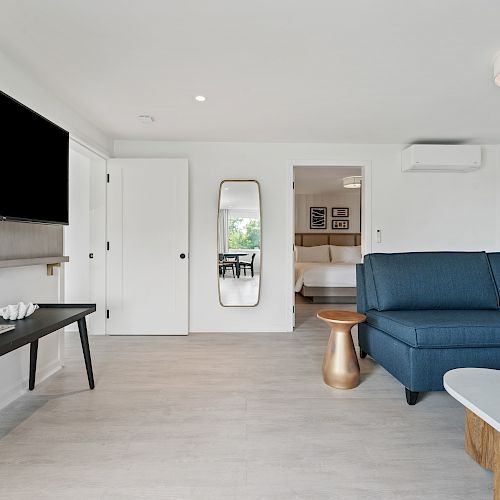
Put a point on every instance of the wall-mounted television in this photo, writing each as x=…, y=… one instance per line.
x=34, y=166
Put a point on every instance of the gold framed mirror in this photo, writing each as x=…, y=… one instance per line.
x=239, y=243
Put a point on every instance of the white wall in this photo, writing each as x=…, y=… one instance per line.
x=415, y=211
x=348, y=198
x=20, y=85
x=29, y=284
x=77, y=233
x=32, y=283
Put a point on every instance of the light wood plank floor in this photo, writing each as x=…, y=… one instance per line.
x=220, y=416
x=239, y=291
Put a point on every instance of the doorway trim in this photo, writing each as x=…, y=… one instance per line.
x=366, y=216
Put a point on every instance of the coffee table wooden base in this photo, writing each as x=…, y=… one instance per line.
x=477, y=390
x=340, y=363
x=482, y=443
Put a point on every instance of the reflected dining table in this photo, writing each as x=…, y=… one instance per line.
x=236, y=256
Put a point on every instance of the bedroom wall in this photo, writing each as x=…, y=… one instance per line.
x=414, y=211
x=32, y=283
x=349, y=198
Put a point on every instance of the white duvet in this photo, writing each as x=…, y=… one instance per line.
x=324, y=274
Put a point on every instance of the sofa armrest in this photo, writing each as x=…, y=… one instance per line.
x=361, y=301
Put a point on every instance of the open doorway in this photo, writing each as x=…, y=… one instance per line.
x=328, y=214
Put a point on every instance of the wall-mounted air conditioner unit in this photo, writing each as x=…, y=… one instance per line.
x=441, y=158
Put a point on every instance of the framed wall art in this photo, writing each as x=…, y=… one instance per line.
x=317, y=218
x=340, y=212
x=340, y=224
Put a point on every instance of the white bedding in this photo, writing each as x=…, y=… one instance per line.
x=324, y=275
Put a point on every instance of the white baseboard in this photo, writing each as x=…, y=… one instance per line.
x=9, y=394
x=243, y=330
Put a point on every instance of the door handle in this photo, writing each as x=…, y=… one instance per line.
x=182, y=255
x=91, y=255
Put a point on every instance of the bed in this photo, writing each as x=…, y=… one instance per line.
x=326, y=281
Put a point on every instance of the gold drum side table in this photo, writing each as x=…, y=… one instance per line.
x=340, y=364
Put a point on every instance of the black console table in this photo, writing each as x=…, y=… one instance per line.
x=48, y=319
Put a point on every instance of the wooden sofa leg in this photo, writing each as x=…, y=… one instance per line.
x=411, y=397
x=362, y=354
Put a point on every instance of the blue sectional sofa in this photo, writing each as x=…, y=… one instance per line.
x=429, y=312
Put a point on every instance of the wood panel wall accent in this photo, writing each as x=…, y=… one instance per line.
x=20, y=240
x=25, y=244
x=315, y=239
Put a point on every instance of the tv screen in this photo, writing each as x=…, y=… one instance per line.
x=34, y=165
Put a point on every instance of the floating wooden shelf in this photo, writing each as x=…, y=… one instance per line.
x=36, y=261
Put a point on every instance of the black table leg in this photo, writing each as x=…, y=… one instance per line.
x=33, y=356
x=82, y=327
x=238, y=270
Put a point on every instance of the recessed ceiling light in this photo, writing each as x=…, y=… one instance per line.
x=200, y=98
x=146, y=119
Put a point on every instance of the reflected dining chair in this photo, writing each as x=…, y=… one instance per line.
x=244, y=265
x=226, y=264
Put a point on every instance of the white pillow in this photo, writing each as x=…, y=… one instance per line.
x=313, y=254
x=345, y=255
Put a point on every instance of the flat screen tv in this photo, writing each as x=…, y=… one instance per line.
x=34, y=166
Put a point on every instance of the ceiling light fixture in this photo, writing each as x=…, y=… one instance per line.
x=352, y=182
x=496, y=69
x=146, y=119
x=200, y=98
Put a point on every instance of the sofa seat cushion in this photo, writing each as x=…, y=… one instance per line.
x=440, y=328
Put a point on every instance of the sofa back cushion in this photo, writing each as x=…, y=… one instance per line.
x=494, y=259
x=430, y=280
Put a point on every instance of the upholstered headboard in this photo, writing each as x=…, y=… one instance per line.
x=315, y=239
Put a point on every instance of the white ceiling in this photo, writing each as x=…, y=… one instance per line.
x=322, y=180
x=240, y=196
x=281, y=70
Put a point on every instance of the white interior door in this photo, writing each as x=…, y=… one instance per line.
x=85, y=236
x=147, y=261
x=77, y=234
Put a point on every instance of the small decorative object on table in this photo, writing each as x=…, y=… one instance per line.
x=340, y=364
x=18, y=311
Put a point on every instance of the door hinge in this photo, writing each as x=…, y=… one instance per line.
x=107, y=178
x=293, y=309
x=293, y=184
x=107, y=245
x=107, y=313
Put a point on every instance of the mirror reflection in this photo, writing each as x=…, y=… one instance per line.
x=239, y=243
